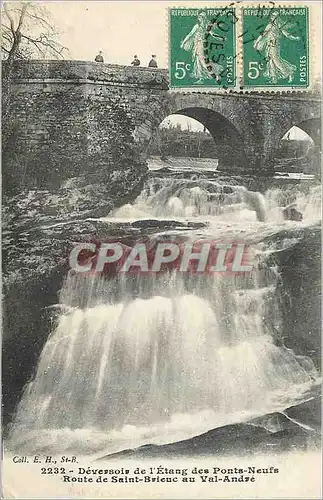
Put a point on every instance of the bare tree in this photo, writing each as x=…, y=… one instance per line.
x=27, y=32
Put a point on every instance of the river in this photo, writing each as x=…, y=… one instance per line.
x=138, y=360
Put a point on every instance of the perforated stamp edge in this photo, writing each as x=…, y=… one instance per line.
x=314, y=49
x=201, y=88
x=314, y=43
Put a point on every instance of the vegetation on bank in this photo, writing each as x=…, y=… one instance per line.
x=175, y=142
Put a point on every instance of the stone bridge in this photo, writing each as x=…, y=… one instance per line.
x=47, y=94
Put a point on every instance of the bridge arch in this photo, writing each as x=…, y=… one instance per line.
x=215, y=119
x=312, y=127
x=306, y=156
x=66, y=90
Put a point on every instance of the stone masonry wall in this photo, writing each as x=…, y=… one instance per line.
x=52, y=106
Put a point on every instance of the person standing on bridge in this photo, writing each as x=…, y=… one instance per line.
x=153, y=62
x=99, y=57
x=136, y=61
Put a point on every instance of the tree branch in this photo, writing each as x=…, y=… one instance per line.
x=44, y=41
x=12, y=23
x=39, y=19
x=22, y=15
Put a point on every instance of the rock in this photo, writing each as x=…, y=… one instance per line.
x=166, y=224
x=291, y=213
x=278, y=432
x=297, y=253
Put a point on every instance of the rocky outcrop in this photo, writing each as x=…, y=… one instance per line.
x=297, y=253
x=295, y=427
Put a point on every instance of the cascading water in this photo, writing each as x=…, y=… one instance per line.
x=137, y=360
x=169, y=198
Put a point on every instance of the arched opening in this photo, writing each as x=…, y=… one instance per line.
x=181, y=136
x=300, y=148
x=312, y=128
x=295, y=143
x=198, y=132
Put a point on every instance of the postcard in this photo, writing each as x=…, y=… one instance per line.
x=161, y=245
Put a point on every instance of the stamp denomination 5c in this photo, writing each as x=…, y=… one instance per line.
x=202, y=47
x=275, y=46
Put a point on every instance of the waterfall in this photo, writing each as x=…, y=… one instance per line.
x=169, y=198
x=155, y=359
x=144, y=358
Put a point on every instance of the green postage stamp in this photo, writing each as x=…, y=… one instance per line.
x=202, y=47
x=275, y=47
x=271, y=41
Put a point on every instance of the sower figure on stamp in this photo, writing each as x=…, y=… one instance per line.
x=194, y=42
x=269, y=43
